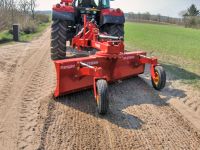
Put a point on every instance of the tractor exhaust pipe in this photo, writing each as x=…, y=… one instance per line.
x=110, y=37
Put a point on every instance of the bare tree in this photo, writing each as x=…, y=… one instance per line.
x=146, y=16
x=7, y=8
x=12, y=7
x=158, y=17
x=33, y=5
x=1, y=3
x=7, y=4
x=24, y=6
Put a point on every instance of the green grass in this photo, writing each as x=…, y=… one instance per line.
x=178, y=48
x=27, y=37
x=6, y=37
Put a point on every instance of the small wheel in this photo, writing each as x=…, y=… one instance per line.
x=160, y=78
x=102, y=97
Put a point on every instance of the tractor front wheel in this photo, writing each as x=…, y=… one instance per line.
x=160, y=78
x=102, y=97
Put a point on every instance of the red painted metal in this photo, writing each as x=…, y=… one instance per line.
x=91, y=39
x=112, y=12
x=153, y=61
x=63, y=8
x=71, y=77
x=110, y=62
x=67, y=1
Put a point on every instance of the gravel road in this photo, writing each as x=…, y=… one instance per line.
x=139, y=117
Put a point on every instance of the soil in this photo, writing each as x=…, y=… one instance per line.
x=139, y=117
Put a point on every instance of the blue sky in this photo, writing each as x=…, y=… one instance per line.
x=164, y=7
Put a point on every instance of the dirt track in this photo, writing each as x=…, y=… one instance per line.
x=139, y=118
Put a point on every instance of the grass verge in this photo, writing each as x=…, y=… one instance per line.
x=177, y=48
x=6, y=37
x=27, y=37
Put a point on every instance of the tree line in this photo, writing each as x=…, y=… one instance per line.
x=189, y=18
x=147, y=17
x=19, y=11
x=24, y=6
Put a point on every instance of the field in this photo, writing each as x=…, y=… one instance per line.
x=178, y=48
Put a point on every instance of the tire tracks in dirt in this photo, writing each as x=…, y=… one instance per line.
x=138, y=119
x=20, y=107
x=35, y=91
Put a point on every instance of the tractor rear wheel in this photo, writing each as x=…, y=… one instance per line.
x=102, y=96
x=59, y=35
x=160, y=78
x=114, y=29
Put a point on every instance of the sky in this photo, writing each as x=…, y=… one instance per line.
x=170, y=8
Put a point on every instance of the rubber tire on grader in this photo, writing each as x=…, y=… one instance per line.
x=161, y=78
x=102, y=97
x=59, y=35
x=114, y=29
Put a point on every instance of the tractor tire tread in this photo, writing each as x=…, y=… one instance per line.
x=114, y=29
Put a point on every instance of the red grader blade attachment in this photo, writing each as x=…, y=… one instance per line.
x=81, y=73
x=108, y=64
x=96, y=71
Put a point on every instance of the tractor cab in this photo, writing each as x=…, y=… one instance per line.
x=100, y=4
x=90, y=7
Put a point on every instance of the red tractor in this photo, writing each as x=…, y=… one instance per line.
x=68, y=20
x=88, y=50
